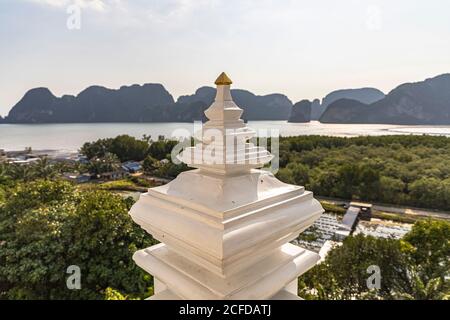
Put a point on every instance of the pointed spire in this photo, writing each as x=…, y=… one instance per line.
x=228, y=136
x=223, y=108
x=223, y=80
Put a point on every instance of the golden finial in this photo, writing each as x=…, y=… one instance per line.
x=223, y=80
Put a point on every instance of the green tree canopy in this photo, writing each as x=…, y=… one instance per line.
x=402, y=170
x=124, y=147
x=46, y=226
x=416, y=267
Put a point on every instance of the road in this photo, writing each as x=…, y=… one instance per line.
x=413, y=211
x=399, y=210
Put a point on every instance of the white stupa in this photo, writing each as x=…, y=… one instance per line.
x=225, y=227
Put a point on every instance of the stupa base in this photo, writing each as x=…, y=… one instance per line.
x=169, y=295
x=273, y=277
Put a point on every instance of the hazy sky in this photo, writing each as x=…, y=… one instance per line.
x=304, y=49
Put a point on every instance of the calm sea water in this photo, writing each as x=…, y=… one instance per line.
x=69, y=137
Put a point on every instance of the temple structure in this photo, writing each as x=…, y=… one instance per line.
x=225, y=227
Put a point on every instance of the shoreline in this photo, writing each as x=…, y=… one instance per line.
x=50, y=153
x=69, y=138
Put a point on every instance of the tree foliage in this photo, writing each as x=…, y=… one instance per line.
x=161, y=149
x=413, y=268
x=47, y=226
x=402, y=170
x=108, y=163
x=41, y=169
x=431, y=254
x=124, y=147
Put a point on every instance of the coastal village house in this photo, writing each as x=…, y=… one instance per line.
x=77, y=178
x=132, y=166
x=113, y=175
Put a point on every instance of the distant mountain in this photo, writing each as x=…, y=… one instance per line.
x=426, y=102
x=38, y=103
x=147, y=103
x=94, y=104
x=205, y=94
x=364, y=95
x=301, y=112
x=316, y=109
x=343, y=110
x=420, y=103
x=269, y=107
